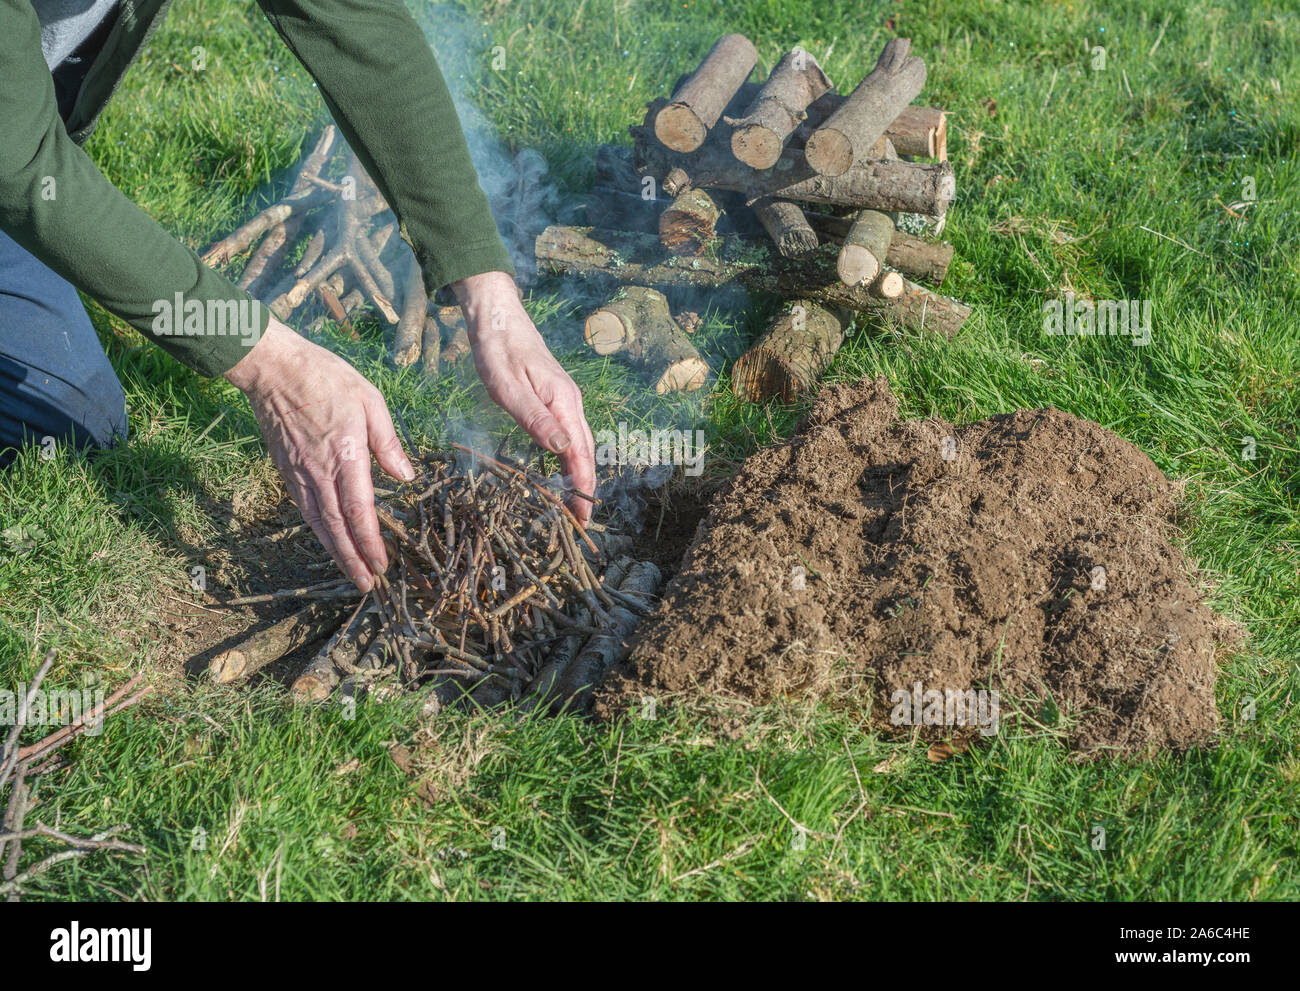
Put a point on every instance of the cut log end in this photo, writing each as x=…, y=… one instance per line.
x=605, y=332
x=228, y=666
x=829, y=152
x=857, y=265
x=889, y=285
x=758, y=147
x=686, y=375
x=311, y=687
x=678, y=128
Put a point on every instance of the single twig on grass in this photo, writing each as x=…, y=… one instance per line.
x=80, y=847
x=323, y=589
x=108, y=707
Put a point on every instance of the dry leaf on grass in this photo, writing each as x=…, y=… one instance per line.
x=940, y=752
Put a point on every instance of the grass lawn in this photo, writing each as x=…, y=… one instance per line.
x=1122, y=181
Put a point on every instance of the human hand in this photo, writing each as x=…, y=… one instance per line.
x=524, y=379
x=321, y=419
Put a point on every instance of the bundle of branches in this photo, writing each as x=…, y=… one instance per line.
x=348, y=253
x=829, y=179
x=494, y=592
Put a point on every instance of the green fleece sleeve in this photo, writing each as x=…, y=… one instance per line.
x=60, y=207
x=379, y=79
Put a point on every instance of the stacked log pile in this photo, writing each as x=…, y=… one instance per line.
x=822, y=179
x=494, y=593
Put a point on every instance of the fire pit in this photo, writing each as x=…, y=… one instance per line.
x=494, y=592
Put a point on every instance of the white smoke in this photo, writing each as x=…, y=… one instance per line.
x=519, y=189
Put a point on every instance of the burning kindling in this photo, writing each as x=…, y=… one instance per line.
x=494, y=592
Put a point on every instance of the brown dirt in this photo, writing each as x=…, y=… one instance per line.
x=262, y=548
x=974, y=571
x=671, y=520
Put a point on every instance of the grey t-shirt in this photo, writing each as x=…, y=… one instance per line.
x=65, y=24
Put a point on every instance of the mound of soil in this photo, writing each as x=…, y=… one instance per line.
x=1025, y=554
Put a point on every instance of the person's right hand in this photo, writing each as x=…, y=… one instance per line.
x=523, y=378
x=321, y=419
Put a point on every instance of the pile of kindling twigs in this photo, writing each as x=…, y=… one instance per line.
x=351, y=255
x=494, y=592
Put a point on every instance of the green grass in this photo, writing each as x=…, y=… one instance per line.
x=239, y=795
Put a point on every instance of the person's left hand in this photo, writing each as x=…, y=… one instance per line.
x=523, y=378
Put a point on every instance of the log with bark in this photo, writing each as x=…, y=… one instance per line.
x=777, y=110
x=638, y=324
x=921, y=132
x=689, y=223
x=637, y=259
x=912, y=187
x=408, y=340
x=314, y=622
x=789, y=359
x=889, y=285
x=432, y=349
x=866, y=247
x=697, y=103
x=786, y=224
x=849, y=133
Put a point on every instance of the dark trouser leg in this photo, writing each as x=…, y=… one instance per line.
x=55, y=380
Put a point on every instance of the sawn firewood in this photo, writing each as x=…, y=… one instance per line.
x=789, y=359
x=639, y=325
x=637, y=259
x=697, y=103
x=865, y=248
x=918, y=132
x=863, y=118
x=758, y=137
x=912, y=187
x=888, y=285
